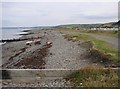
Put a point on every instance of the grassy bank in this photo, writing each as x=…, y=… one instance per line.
x=111, y=33
x=92, y=77
x=103, y=47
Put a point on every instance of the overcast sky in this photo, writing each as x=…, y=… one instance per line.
x=57, y=13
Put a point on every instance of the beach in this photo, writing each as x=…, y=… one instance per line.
x=32, y=52
x=40, y=56
x=63, y=44
x=18, y=55
x=47, y=64
x=58, y=59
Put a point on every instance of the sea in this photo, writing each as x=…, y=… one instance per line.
x=11, y=33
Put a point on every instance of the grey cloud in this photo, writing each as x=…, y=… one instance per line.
x=35, y=14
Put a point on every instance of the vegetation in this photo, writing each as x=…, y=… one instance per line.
x=113, y=33
x=94, y=77
x=101, y=46
x=111, y=24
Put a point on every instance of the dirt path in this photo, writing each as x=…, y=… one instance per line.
x=112, y=40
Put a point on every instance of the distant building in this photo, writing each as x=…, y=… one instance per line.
x=105, y=28
x=76, y=28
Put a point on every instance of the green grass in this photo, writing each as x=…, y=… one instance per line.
x=111, y=33
x=103, y=47
x=106, y=48
x=92, y=77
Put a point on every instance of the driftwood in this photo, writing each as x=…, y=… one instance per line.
x=29, y=42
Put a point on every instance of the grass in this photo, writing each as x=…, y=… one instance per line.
x=92, y=77
x=103, y=47
x=111, y=33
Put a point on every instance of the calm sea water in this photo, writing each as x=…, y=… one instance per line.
x=11, y=33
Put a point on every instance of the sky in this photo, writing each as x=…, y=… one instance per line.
x=15, y=14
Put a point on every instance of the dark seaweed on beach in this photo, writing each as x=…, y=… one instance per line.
x=35, y=61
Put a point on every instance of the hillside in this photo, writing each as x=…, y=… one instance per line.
x=87, y=26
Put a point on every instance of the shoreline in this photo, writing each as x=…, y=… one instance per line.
x=43, y=60
x=16, y=46
x=16, y=52
x=18, y=35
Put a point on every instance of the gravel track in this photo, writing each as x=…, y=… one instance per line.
x=112, y=40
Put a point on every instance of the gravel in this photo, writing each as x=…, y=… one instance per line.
x=63, y=55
